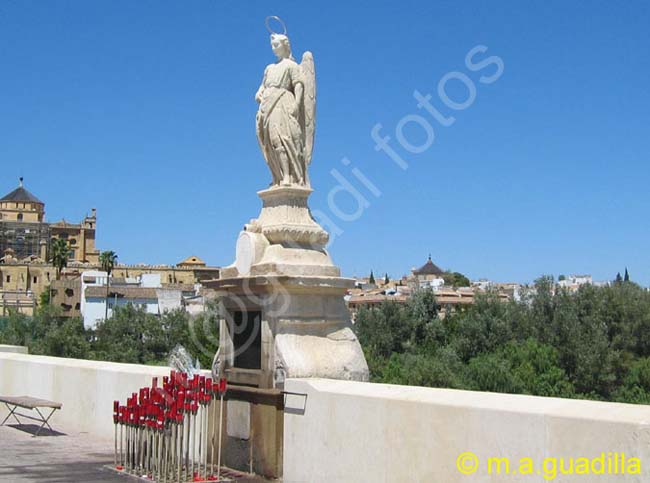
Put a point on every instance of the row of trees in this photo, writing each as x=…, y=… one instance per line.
x=590, y=344
x=130, y=335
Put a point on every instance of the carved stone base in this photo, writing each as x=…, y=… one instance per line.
x=284, y=239
x=305, y=327
x=284, y=277
x=285, y=217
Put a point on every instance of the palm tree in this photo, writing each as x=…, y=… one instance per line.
x=59, y=253
x=107, y=260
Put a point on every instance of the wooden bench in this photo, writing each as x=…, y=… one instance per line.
x=32, y=403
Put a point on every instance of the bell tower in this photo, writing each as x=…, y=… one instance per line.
x=22, y=223
x=21, y=206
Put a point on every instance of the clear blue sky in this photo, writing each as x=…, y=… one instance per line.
x=144, y=109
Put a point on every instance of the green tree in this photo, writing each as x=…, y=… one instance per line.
x=130, y=335
x=492, y=372
x=537, y=369
x=386, y=279
x=18, y=329
x=107, y=261
x=47, y=333
x=456, y=279
x=65, y=337
x=421, y=313
x=198, y=334
x=636, y=386
x=59, y=254
x=482, y=327
x=626, y=277
x=383, y=329
x=371, y=279
x=44, y=298
x=429, y=370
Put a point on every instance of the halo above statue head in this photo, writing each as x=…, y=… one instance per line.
x=277, y=19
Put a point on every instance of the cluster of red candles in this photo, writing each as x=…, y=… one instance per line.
x=158, y=435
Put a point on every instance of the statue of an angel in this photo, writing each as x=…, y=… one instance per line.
x=286, y=116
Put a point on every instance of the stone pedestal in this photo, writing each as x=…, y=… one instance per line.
x=283, y=309
x=282, y=315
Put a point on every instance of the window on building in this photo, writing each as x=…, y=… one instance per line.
x=20, y=217
x=8, y=278
x=35, y=280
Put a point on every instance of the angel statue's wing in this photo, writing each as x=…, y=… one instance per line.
x=308, y=113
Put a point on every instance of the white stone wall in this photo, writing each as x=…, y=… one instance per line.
x=344, y=431
x=361, y=432
x=21, y=349
x=87, y=389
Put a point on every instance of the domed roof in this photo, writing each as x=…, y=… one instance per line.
x=428, y=268
x=21, y=195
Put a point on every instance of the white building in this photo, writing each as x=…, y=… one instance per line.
x=91, y=313
x=145, y=291
x=573, y=282
x=434, y=283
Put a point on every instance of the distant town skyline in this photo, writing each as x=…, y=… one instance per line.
x=137, y=109
x=378, y=273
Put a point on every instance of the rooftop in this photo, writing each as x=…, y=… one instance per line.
x=428, y=268
x=131, y=293
x=20, y=194
x=64, y=224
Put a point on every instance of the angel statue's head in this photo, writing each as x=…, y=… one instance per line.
x=281, y=46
